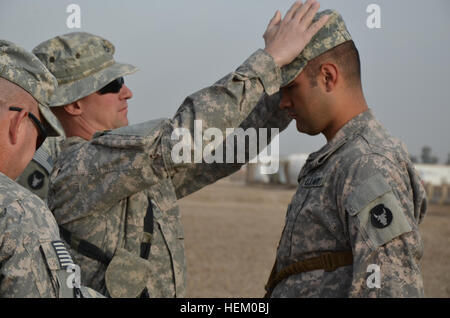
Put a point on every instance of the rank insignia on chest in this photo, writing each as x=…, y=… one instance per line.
x=380, y=216
x=63, y=255
x=314, y=181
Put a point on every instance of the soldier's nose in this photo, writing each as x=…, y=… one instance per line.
x=125, y=92
x=285, y=101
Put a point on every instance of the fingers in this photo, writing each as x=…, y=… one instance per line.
x=305, y=9
x=316, y=26
x=310, y=14
x=275, y=19
x=292, y=10
x=278, y=17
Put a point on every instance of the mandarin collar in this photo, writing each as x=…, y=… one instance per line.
x=70, y=141
x=351, y=128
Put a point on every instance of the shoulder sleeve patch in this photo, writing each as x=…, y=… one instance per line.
x=378, y=210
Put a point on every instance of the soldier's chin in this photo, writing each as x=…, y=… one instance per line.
x=122, y=123
x=305, y=129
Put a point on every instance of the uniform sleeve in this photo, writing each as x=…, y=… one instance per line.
x=229, y=156
x=243, y=95
x=24, y=273
x=116, y=164
x=379, y=209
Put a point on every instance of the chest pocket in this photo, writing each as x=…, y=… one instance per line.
x=170, y=244
x=380, y=215
x=127, y=274
x=128, y=271
x=294, y=208
x=311, y=185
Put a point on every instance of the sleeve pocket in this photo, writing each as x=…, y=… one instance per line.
x=45, y=271
x=379, y=212
x=50, y=255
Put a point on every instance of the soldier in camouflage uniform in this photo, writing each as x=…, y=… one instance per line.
x=33, y=259
x=352, y=226
x=113, y=190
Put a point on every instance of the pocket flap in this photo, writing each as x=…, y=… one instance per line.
x=378, y=210
x=126, y=275
x=370, y=190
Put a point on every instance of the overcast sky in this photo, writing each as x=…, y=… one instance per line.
x=183, y=46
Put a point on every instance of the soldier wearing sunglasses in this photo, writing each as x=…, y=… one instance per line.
x=36, y=175
x=114, y=187
x=33, y=259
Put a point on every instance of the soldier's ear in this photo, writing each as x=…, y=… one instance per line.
x=16, y=127
x=329, y=76
x=73, y=109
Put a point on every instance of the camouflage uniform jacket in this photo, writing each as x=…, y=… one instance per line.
x=32, y=256
x=359, y=193
x=100, y=190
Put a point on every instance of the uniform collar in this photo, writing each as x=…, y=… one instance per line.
x=68, y=142
x=4, y=177
x=351, y=128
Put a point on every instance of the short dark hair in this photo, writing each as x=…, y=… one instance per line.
x=345, y=55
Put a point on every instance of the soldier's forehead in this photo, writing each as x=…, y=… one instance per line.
x=27, y=101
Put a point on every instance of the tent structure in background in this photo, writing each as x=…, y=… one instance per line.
x=436, y=179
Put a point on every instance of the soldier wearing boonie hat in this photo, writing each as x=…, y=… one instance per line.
x=82, y=63
x=352, y=226
x=34, y=261
x=113, y=191
x=79, y=73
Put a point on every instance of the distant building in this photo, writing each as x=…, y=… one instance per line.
x=436, y=175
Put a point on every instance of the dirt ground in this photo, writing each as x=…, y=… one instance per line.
x=232, y=232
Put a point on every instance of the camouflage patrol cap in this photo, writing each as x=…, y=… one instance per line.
x=26, y=71
x=82, y=63
x=331, y=35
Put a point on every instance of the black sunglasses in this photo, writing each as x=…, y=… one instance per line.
x=42, y=133
x=113, y=87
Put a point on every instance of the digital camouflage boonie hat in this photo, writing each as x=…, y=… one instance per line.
x=26, y=71
x=331, y=35
x=82, y=63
